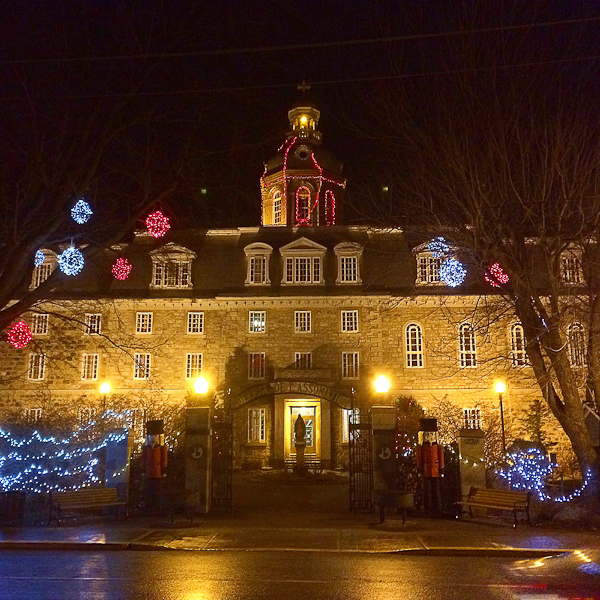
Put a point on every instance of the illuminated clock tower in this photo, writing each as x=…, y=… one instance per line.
x=302, y=184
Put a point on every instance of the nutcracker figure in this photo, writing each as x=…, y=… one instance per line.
x=154, y=461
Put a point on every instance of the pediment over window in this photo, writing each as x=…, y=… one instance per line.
x=302, y=245
x=172, y=251
x=258, y=248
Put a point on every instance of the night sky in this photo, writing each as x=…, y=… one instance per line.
x=213, y=81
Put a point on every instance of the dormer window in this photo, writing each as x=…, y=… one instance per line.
x=303, y=263
x=348, y=259
x=172, y=267
x=44, y=270
x=428, y=266
x=571, y=272
x=258, y=257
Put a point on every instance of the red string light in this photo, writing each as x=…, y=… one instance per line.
x=19, y=335
x=329, y=208
x=121, y=269
x=157, y=224
x=495, y=276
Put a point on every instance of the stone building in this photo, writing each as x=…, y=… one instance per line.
x=296, y=316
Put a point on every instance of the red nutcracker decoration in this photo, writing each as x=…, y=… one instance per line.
x=154, y=460
x=430, y=458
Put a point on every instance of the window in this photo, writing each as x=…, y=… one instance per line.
x=303, y=206
x=43, y=271
x=348, y=255
x=32, y=415
x=256, y=425
x=195, y=322
x=303, y=360
x=193, y=366
x=172, y=267
x=570, y=266
x=518, y=353
x=303, y=263
x=346, y=413
x=93, y=323
x=472, y=418
x=428, y=269
x=576, y=345
x=257, y=321
x=37, y=366
x=141, y=368
x=349, y=365
x=258, y=258
x=256, y=365
x=39, y=325
x=302, y=321
x=89, y=366
x=86, y=416
x=414, y=346
x=467, y=349
x=143, y=322
x=349, y=321
x=277, y=208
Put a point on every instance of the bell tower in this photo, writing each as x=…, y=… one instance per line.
x=302, y=184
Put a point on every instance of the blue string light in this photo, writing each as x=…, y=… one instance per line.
x=40, y=257
x=438, y=247
x=71, y=261
x=452, y=273
x=81, y=212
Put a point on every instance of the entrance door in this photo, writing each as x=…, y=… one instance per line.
x=311, y=413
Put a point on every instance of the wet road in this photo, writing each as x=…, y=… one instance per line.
x=48, y=575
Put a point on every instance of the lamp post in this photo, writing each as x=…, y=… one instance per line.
x=500, y=389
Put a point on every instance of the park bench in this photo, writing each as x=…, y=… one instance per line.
x=83, y=499
x=512, y=501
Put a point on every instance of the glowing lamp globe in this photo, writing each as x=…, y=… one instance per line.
x=500, y=387
x=201, y=385
x=19, y=335
x=157, y=224
x=382, y=385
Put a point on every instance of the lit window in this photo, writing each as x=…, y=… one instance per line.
x=428, y=269
x=172, y=267
x=37, y=366
x=193, y=366
x=195, y=322
x=348, y=255
x=277, y=207
x=303, y=270
x=303, y=206
x=467, y=348
x=39, y=325
x=89, y=366
x=570, y=266
x=349, y=321
x=414, y=346
x=86, y=416
x=257, y=321
x=32, y=415
x=256, y=365
x=257, y=425
x=93, y=323
x=303, y=360
x=576, y=344
x=518, y=353
x=143, y=322
x=141, y=368
x=302, y=321
x=258, y=255
x=348, y=269
x=349, y=365
x=472, y=418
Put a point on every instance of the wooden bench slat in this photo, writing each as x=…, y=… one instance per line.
x=513, y=500
x=83, y=499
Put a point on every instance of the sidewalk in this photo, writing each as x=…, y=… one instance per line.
x=276, y=515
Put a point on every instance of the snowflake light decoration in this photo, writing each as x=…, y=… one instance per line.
x=71, y=261
x=121, y=269
x=157, y=224
x=19, y=335
x=81, y=212
x=496, y=276
x=40, y=257
x=452, y=273
x=438, y=247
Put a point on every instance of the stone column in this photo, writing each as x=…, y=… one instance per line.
x=198, y=455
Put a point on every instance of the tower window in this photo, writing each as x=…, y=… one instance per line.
x=468, y=351
x=302, y=206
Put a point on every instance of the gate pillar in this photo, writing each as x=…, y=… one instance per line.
x=198, y=455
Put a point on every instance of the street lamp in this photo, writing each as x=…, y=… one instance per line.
x=201, y=385
x=500, y=389
x=382, y=385
x=104, y=391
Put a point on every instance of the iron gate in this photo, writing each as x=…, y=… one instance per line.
x=361, y=463
x=222, y=462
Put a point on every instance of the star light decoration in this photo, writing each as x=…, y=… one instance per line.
x=121, y=269
x=452, y=273
x=40, y=257
x=438, y=247
x=71, y=261
x=19, y=335
x=495, y=276
x=81, y=212
x=157, y=224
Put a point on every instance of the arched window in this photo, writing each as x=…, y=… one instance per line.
x=276, y=197
x=414, y=346
x=302, y=206
x=329, y=208
x=576, y=344
x=467, y=347
x=518, y=353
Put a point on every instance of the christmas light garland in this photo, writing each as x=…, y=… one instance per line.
x=39, y=258
x=452, y=272
x=495, y=276
x=81, y=212
x=157, y=224
x=71, y=261
x=121, y=269
x=438, y=247
x=19, y=335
